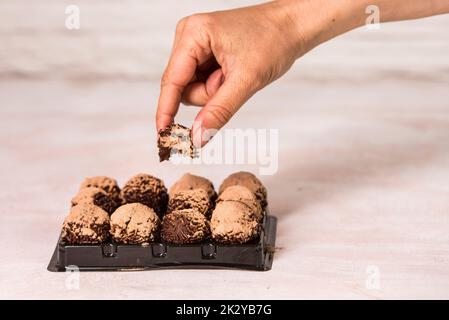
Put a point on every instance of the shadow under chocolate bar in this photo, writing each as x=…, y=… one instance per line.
x=256, y=255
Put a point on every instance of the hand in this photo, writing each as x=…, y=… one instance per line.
x=221, y=59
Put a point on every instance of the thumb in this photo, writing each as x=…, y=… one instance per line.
x=231, y=95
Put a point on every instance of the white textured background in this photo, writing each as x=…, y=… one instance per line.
x=364, y=151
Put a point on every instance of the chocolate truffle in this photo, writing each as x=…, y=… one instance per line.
x=189, y=182
x=232, y=222
x=148, y=190
x=248, y=180
x=134, y=223
x=245, y=196
x=86, y=224
x=106, y=184
x=197, y=199
x=185, y=226
x=95, y=196
x=175, y=139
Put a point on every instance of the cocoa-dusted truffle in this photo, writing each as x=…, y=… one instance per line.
x=86, y=224
x=134, y=223
x=231, y=222
x=148, y=190
x=245, y=196
x=189, y=182
x=197, y=199
x=185, y=226
x=248, y=180
x=106, y=184
x=95, y=196
x=175, y=139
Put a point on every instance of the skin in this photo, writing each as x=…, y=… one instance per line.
x=220, y=59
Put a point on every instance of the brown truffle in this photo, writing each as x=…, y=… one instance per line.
x=148, y=190
x=245, y=196
x=95, y=196
x=134, y=223
x=197, y=199
x=231, y=222
x=175, y=139
x=86, y=224
x=106, y=184
x=189, y=182
x=185, y=226
x=248, y=180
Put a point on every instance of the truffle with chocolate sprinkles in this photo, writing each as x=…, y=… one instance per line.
x=233, y=222
x=191, y=199
x=85, y=224
x=134, y=223
x=189, y=182
x=244, y=195
x=248, y=180
x=97, y=197
x=148, y=190
x=106, y=184
x=185, y=226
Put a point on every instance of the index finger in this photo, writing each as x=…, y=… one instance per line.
x=178, y=74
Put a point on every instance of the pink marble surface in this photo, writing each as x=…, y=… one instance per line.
x=362, y=185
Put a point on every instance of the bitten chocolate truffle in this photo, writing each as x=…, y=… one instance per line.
x=248, y=180
x=197, y=199
x=106, y=184
x=189, y=182
x=231, y=223
x=175, y=139
x=245, y=196
x=95, y=196
x=86, y=224
x=185, y=226
x=148, y=190
x=134, y=223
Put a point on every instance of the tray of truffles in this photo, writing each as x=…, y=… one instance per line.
x=145, y=226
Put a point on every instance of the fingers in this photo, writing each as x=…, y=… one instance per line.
x=180, y=70
x=198, y=93
x=187, y=55
x=232, y=94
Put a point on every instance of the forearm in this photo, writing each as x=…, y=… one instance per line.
x=395, y=10
x=317, y=21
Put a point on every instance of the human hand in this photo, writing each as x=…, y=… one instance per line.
x=221, y=59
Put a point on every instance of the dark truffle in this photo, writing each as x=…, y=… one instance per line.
x=134, y=223
x=106, y=184
x=197, y=199
x=232, y=222
x=248, y=180
x=86, y=224
x=189, y=182
x=175, y=139
x=185, y=226
x=148, y=190
x=95, y=196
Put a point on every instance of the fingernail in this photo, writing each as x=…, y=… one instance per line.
x=196, y=134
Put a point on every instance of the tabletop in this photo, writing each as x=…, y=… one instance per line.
x=360, y=188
